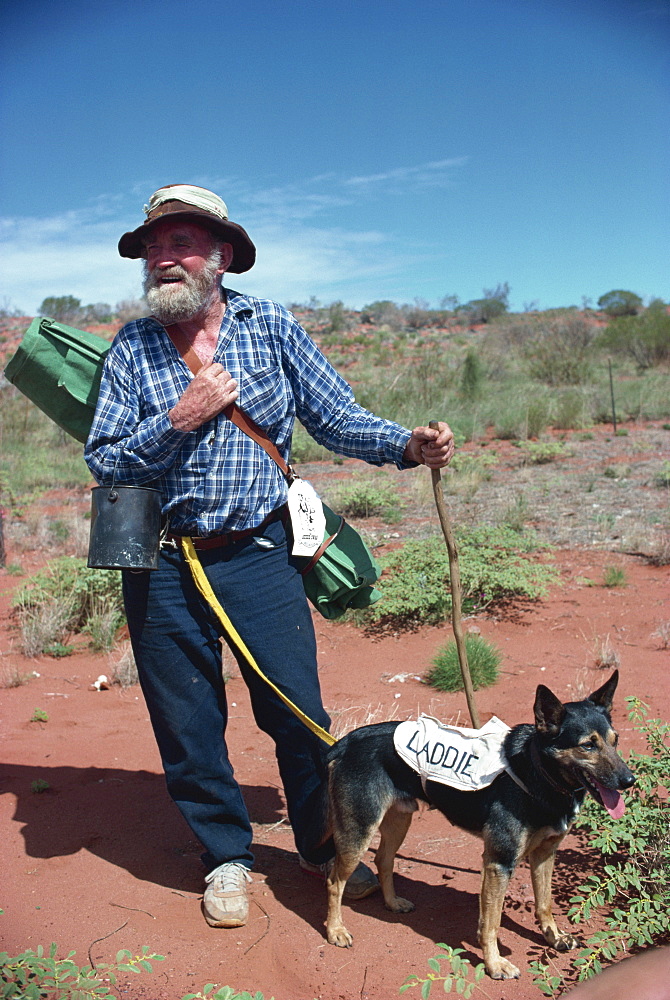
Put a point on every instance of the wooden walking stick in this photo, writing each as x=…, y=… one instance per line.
x=455, y=583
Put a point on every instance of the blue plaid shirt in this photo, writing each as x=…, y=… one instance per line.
x=216, y=478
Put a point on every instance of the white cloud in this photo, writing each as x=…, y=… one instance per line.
x=303, y=246
x=435, y=172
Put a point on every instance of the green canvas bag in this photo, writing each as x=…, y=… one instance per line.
x=59, y=369
x=342, y=573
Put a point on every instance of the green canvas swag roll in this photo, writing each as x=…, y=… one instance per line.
x=59, y=367
x=344, y=573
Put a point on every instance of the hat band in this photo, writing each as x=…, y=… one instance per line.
x=170, y=207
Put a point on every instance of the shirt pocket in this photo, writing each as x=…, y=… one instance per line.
x=264, y=395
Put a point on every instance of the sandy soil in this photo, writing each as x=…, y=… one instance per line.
x=102, y=859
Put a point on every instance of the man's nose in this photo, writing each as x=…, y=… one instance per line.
x=161, y=257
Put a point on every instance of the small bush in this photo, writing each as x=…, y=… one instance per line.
x=561, y=351
x=39, y=785
x=632, y=886
x=33, y=974
x=517, y=514
x=103, y=623
x=367, y=498
x=472, y=376
x=542, y=452
x=483, y=660
x=495, y=567
x=614, y=576
x=662, y=477
x=124, y=670
x=69, y=581
x=644, y=338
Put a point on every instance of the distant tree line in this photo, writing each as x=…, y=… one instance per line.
x=68, y=309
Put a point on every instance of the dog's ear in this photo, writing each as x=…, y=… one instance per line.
x=549, y=711
x=605, y=694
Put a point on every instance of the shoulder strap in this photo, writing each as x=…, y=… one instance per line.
x=232, y=411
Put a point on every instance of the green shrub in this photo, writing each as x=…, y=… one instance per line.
x=483, y=661
x=644, y=338
x=472, y=376
x=458, y=976
x=32, y=975
x=632, y=887
x=365, y=497
x=67, y=578
x=66, y=596
x=495, y=563
x=542, y=452
x=561, y=351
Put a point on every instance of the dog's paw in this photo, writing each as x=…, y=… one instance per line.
x=339, y=936
x=502, y=969
x=565, y=942
x=560, y=940
x=399, y=905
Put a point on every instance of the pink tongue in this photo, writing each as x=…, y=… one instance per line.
x=612, y=801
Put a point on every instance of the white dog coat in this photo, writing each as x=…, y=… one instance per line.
x=467, y=759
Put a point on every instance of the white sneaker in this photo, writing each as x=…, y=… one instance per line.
x=225, y=902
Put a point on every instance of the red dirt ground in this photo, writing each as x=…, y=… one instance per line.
x=102, y=860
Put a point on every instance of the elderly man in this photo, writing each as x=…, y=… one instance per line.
x=157, y=424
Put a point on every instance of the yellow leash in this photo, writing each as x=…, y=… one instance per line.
x=204, y=586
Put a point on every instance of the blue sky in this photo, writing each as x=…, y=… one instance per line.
x=372, y=150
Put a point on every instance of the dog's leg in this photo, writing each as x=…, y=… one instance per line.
x=393, y=831
x=495, y=879
x=343, y=866
x=541, y=861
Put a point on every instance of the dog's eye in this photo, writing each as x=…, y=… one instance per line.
x=589, y=745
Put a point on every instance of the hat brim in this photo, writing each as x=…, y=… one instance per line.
x=132, y=244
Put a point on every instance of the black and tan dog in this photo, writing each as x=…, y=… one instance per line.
x=570, y=750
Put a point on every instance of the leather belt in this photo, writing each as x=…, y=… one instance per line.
x=230, y=537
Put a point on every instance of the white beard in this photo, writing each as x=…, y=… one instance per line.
x=175, y=303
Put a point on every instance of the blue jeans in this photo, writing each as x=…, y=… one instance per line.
x=175, y=639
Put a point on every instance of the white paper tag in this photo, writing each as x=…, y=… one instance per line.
x=307, y=518
x=463, y=758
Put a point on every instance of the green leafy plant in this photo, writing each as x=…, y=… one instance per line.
x=496, y=566
x=210, y=992
x=367, y=498
x=39, y=785
x=39, y=715
x=483, y=659
x=457, y=979
x=632, y=887
x=59, y=649
x=542, y=452
x=64, y=597
x=34, y=975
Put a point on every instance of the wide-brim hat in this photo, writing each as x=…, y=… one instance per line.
x=193, y=204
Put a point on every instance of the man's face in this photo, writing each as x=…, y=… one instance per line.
x=182, y=270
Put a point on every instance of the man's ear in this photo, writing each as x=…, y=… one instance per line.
x=226, y=250
x=549, y=711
